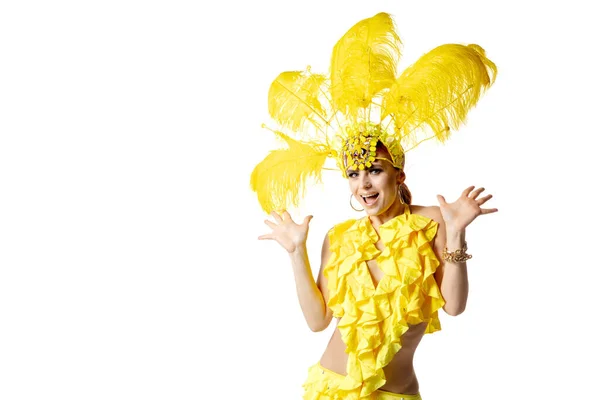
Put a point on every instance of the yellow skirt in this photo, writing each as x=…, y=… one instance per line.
x=323, y=384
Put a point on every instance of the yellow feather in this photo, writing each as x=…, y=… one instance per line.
x=280, y=179
x=364, y=62
x=438, y=91
x=294, y=100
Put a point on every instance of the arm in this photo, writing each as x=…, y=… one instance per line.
x=453, y=219
x=313, y=296
x=452, y=278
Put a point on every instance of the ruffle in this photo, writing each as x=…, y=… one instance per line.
x=320, y=386
x=373, y=319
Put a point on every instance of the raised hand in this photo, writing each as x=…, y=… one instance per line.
x=463, y=211
x=286, y=232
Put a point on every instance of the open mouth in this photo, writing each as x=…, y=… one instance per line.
x=371, y=199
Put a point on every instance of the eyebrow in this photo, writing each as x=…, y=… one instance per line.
x=373, y=165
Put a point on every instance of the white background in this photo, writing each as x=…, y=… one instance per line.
x=129, y=261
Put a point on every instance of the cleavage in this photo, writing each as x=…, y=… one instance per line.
x=375, y=273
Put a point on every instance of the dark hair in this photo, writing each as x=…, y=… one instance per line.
x=403, y=191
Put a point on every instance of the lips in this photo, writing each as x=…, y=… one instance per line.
x=370, y=199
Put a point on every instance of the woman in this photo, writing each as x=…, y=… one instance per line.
x=389, y=203
x=385, y=276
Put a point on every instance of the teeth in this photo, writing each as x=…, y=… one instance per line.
x=370, y=195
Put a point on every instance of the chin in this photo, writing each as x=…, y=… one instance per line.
x=373, y=211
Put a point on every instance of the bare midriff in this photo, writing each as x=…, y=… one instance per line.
x=399, y=373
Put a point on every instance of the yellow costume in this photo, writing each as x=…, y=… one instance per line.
x=373, y=319
x=324, y=384
x=345, y=115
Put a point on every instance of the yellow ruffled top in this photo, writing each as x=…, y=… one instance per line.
x=373, y=319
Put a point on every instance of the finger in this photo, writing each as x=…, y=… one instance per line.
x=265, y=237
x=441, y=200
x=307, y=219
x=467, y=190
x=484, y=199
x=488, y=210
x=286, y=215
x=476, y=193
x=271, y=224
x=276, y=216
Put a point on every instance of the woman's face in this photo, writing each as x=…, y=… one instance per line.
x=376, y=187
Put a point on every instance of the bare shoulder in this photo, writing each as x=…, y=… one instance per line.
x=434, y=213
x=431, y=212
x=325, y=248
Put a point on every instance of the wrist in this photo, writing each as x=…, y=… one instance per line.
x=457, y=256
x=299, y=249
x=453, y=235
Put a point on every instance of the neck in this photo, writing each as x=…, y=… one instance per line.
x=394, y=210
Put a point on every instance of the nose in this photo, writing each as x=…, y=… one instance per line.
x=365, y=182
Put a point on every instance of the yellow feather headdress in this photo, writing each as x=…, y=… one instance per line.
x=362, y=102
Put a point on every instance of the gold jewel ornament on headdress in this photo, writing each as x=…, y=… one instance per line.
x=363, y=101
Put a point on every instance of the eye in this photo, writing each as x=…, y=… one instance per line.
x=376, y=170
x=352, y=174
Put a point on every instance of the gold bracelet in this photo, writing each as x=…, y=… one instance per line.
x=459, y=255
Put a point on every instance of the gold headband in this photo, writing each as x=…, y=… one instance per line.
x=361, y=147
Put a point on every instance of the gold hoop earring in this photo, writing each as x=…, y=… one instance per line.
x=351, y=196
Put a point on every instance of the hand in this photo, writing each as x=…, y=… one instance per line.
x=286, y=232
x=463, y=211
